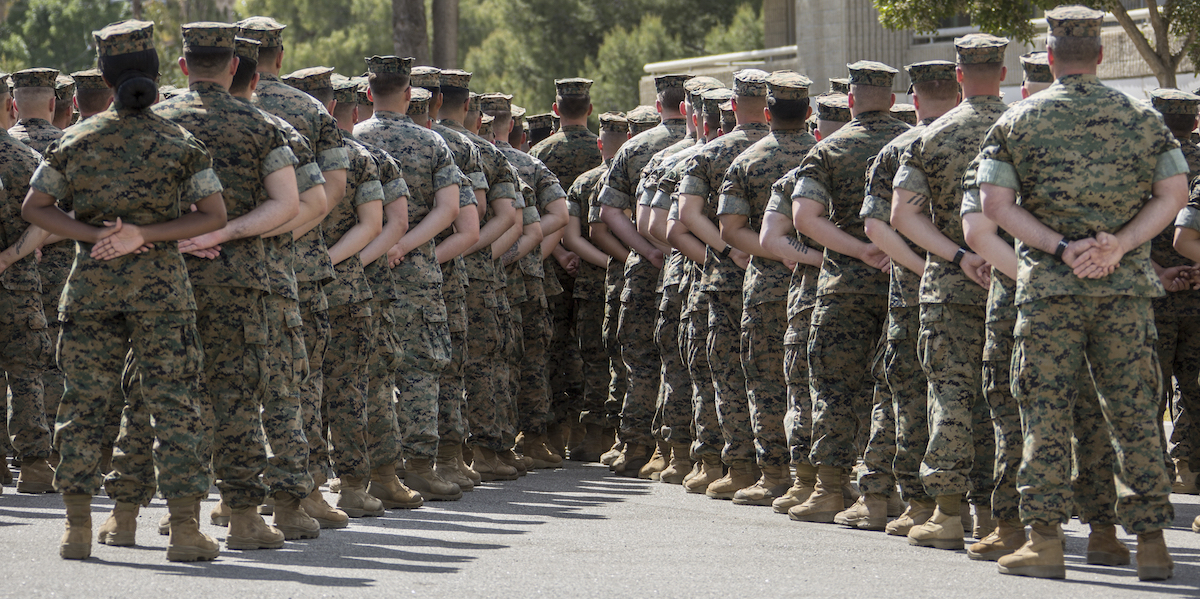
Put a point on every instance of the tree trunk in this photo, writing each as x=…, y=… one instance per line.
x=408, y=30
x=445, y=34
x=136, y=8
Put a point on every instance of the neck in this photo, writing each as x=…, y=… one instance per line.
x=988, y=87
x=393, y=104
x=670, y=115
x=566, y=122
x=25, y=115
x=1061, y=70
x=193, y=80
x=457, y=115
x=244, y=94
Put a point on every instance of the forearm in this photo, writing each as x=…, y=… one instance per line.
x=624, y=229
x=689, y=245
x=917, y=227
x=551, y=241
x=442, y=215
x=1170, y=196
x=312, y=212
x=353, y=242
x=555, y=217
x=1000, y=206
x=33, y=237
x=984, y=239
x=826, y=233
x=887, y=239
x=491, y=231
x=530, y=238
x=575, y=242
x=691, y=213
x=658, y=225
x=507, y=240
x=603, y=238
x=1187, y=243
x=393, y=229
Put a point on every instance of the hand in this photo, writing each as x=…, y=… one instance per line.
x=395, y=257
x=977, y=269
x=209, y=254
x=1192, y=275
x=1101, y=259
x=117, y=239
x=740, y=258
x=569, y=262
x=37, y=254
x=656, y=258
x=1075, y=249
x=874, y=257
x=790, y=264
x=202, y=242
x=1175, y=278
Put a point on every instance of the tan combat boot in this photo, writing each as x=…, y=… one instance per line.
x=1104, y=549
x=267, y=507
x=850, y=492
x=1185, y=479
x=247, y=530
x=658, y=461
x=984, y=522
x=326, y=515
x=465, y=468
x=613, y=452
x=355, y=501
x=187, y=543
x=510, y=458
x=120, y=528
x=680, y=465
x=918, y=512
x=943, y=530
x=1040, y=557
x=895, y=505
x=164, y=524
x=774, y=482
x=393, y=494
x=487, y=463
x=536, y=449
x=36, y=476
x=420, y=477
x=1007, y=537
x=291, y=519
x=556, y=439
x=710, y=471
x=1153, y=560
x=446, y=467
x=630, y=462
x=737, y=477
x=868, y=513
x=826, y=499
x=219, y=516
x=802, y=487
x=77, y=540
x=591, y=447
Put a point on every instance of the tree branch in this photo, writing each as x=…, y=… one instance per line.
x=1139, y=39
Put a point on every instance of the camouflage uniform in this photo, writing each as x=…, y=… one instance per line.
x=588, y=296
x=141, y=302
x=745, y=192
x=1185, y=410
x=1063, y=320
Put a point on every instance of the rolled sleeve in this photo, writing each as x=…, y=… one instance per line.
x=662, y=200
x=478, y=180
x=732, y=204
x=1188, y=218
x=695, y=186
x=780, y=202
x=394, y=190
x=996, y=172
x=529, y=215
x=573, y=208
x=500, y=191
x=1170, y=163
x=813, y=190
x=593, y=215
x=333, y=159
x=201, y=185
x=371, y=191
x=877, y=208
x=550, y=193
x=48, y=180
x=612, y=197
x=279, y=158
x=971, y=202
x=446, y=176
x=307, y=175
x=912, y=179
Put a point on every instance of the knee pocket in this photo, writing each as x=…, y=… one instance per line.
x=933, y=349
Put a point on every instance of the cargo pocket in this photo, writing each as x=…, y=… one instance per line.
x=932, y=345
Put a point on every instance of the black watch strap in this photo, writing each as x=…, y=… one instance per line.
x=958, y=256
x=1062, y=247
x=725, y=252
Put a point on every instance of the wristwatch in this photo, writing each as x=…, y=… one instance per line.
x=958, y=256
x=1062, y=247
x=725, y=252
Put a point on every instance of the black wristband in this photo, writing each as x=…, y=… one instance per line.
x=1062, y=247
x=958, y=256
x=725, y=252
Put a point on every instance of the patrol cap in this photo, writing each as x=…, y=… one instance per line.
x=905, y=112
x=575, y=86
x=1074, y=21
x=363, y=87
x=207, y=34
x=4, y=86
x=834, y=107
x=642, y=118
x=980, y=48
x=311, y=79
x=518, y=114
x=751, y=83
x=871, y=73
x=495, y=102
x=931, y=70
x=614, y=122
x=38, y=77
x=420, y=101
x=540, y=121
x=664, y=82
x=124, y=37
x=345, y=89
x=390, y=64
x=246, y=48
x=266, y=30
x=64, y=87
x=425, y=77
x=455, y=78
x=473, y=102
x=1037, y=67
x=485, y=124
x=713, y=99
x=89, y=79
x=727, y=111
x=1173, y=101
x=701, y=83
x=788, y=85
x=839, y=85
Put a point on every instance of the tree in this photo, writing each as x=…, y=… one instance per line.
x=333, y=33
x=445, y=34
x=1173, y=26
x=55, y=33
x=409, y=35
x=617, y=67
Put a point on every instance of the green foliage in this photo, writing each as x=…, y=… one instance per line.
x=55, y=33
x=333, y=33
x=744, y=33
x=617, y=66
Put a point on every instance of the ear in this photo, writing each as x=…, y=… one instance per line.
x=958, y=74
x=233, y=65
x=658, y=106
x=331, y=106
x=705, y=128
x=254, y=82
x=1100, y=58
x=600, y=144
x=682, y=108
x=183, y=66
x=371, y=95
x=767, y=114
x=1024, y=91
x=589, y=112
x=408, y=94
x=817, y=134
x=850, y=99
x=916, y=101
x=1003, y=72
x=75, y=102
x=554, y=108
x=892, y=102
x=734, y=102
x=279, y=60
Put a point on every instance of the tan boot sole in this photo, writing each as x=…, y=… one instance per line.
x=1155, y=572
x=950, y=544
x=118, y=539
x=1056, y=572
x=295, y=533
x=1107, y=558
x=331, y=523
x=189, y=553
x=818, y=517
x=989, y=556
x=248, y=543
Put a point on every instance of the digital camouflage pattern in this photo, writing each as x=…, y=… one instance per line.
x=35, y=133
x=307, y=115
x=569, y=152
x=589, y=294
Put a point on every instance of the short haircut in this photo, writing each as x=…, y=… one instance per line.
x=514, y=136
x=937, y=90
x=323, y=95
x=728, y=122
x=788, y=112
x=713, y=120
x=32, y=96
x=982, y=70
x=1074, y=50
x=344, y=111
x=208, y=62
x=871, y=97
x=244, y=75
x=573, y=107
x=1180, y=123
x=454, y=96
x=92, y=101
x=387, y=84
x=268, y=55
x=671, y=97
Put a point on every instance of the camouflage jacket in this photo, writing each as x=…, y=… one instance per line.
x=379, y=274
x=546, y=189
x=903, y=284
x=589, y=283
x=350, y=286
x=1162, y=247
x=569, y=153
x=36, y=133
x=500, y=184
x=802, y=289
x=625, y=170
x=17, y=163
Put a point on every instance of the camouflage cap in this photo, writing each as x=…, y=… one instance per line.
x=485, y=124
x=363, y=89
x=311, y=79
x=390, y=64
x=727, y=110
x=701, y=83
x=642, y=118
x=664, y=82
x=980, y=48
x=39, y=77
x=541, y=121
x=64, y=87
x=125, y=37
x=266, y=30
x=345, y=89
x=473, y=102
x=4, y=80
x=1037, y=67
x=518, y=113
x=839, y=85
x=455, y=78
x=905, y=112
x=751, y=83
x=872, y=74
x=495, y=102
x=834, y=107
x=420, y=101
x=713, y=99
x=425, y=77
x=931, y=70
x=89, y=79
x=614, y=122
x=1173, y=101
x=207, y=34
x=1074, y=21
x=246, y=48
x=575, y=86
x=788, y=85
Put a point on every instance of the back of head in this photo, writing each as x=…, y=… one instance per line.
x=871, y=86
x=1074, y=37
x=788, y=101
x=670, y=91
x=981, y=57
x=129, y=62
x=208, y=48
x=750, y=87
x=388, y=76
x=573, y=97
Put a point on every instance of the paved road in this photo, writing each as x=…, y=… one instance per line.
x=576, y=532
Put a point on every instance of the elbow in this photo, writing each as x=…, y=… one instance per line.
x=871, y=225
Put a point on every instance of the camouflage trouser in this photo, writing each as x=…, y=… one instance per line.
x=705, y=426
x=315, y=315
x=564, y=364
x=383, y=432
x=283, y=421
x=797, y=423
x=452, y=424
x=54, y=267
x=729, y=381
x=1094, y=489
x=842, y=344
x=485, y=361
x=27, y=352
x=533, y=389
x=962, y=442
x=344, y=398
x=1177, y=319
x=880, y=452
x=92, y=349
x=132, y=479
x=673, y=413
x=763, y=328
x=910, y=391
x=508, y=410
x=618, y=375
x=1116, y=337
x=423, y=339
x=639, y=313
x=233, y=332
x=589, y=330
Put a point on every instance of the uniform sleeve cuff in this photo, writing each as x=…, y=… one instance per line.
x=1170, y=163
x=813, y=190
x=913, y=180
x=614, y=198
x=48, y=180
x=996, y=172
x=333, y=159
x=731, y=204
x=201, y=185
